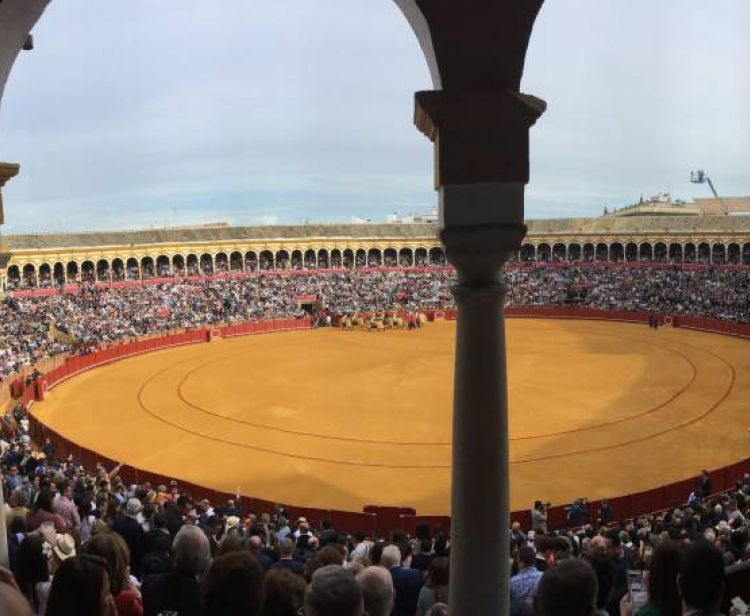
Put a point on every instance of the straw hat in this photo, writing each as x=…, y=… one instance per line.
x=64, y=547
x=232, y=522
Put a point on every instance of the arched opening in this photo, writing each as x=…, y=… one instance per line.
x=543, y=253
x=192, y=265
x=348, y=258
x=406, y=257
x=528, y=253
x=602, y=252
x=588, y=252
x=574, y=252
x=734, y=254
x=336, y=259
x=45, y=275
x=87, y=271
x=14, y=277
x=559, y=253
x=252, y=262
x=660, y=252
x=675, y=253
x=746, y=254
x=147, y=267
x=718, y=254
x=420, y=257
x=631, y=252
x=206, y=264
x=360, y=258
x=374, y=258
x=437, y=256
x=296, y=260
x=118, y=270
x=646, y=253
x=162, y=266
x=102, y=270
x=58, y=273
x=704, y=253
x=282, y=260
x=221, y=263
x=266, y=261
x=311, y=261
x=29, y=276
x=323, y=262
x=178, y=265
x=689, y=255
x=133, y=270
x=72, y=271
x=390, y=257
x=235, y=262
x=616, y=252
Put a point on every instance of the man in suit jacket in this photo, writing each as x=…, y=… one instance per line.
x=406, y=582
x=130, y=529
x=179, y=592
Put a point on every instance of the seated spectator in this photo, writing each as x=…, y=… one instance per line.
x=377, y=590
x=333, y=591
x=234, y=586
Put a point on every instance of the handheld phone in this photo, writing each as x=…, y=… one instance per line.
x=739, y=605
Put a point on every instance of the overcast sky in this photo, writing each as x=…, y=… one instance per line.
x=157, y=112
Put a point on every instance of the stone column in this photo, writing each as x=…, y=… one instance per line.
x=481, y=144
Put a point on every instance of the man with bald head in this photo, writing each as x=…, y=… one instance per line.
x=255, y=545
x=377, y=590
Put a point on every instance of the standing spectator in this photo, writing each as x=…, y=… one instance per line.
x=567, y=589
x=406, y=582
x=704, y=488
x=63, y=504
x=701, y=580
x=523, y=585
x=130, y=529
x=377, y=591
x=333, y=591
x=285, y=593
x=234, y=586
x=435, y=589
x=81, y=587
x=113, y=549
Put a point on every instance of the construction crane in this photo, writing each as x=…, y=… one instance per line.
x=700, y=177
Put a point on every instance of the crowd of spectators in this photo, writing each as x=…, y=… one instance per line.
x=82, y=542
x=96, y=316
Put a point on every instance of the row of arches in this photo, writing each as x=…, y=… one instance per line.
x=629, y=252
x=206, y=264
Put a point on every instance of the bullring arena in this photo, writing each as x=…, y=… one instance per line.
x=342, y=419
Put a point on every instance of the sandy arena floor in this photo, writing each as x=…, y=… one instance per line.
x=338, y=419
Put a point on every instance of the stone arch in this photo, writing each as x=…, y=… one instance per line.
x=87, y=271
x=406, y=257
x=574, y=252
x=746, y=253
x=543, y=252
x=689, y=254
x=282, y=259
x=147, y=267
x=631, y=252
x=675, y=253
x=296, y=260
x=323, y=259
x=266, y=260
x=336, y=258
x=45, y=275
x=645, y=252
x=235, y=261
x=252, y=261
x=347, y=258
x=132, y=269
x=310, y=259
x=589, y=252
x=192, y=266
x=360, y=258
x=102, y=270
x=437, y=256
x=559, y=252
x=374, y=257
x=616, y=252
x=163, y=266
x=528, y=253
x=206, y=264
x=28, y=275
x=178, y=265
x=734, y=254
x=420, y=257
x=661, y=252
x=390, y=257
x=703, y=254
x=14, y=277
x=602, y=252
x=117, y=269
x=58, y=273
x=718, y=254
x=221, y=263
x=71, y=271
